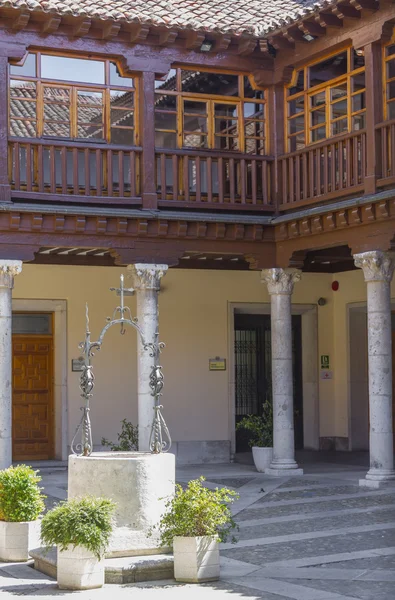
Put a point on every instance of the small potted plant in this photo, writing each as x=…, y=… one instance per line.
x=260, y=429
x=195, y=521
x=81, y=530
x=21, y=503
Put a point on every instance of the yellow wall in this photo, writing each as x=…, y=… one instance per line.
x=194, y=325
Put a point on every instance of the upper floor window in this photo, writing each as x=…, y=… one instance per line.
x=61, y=97
x=326, y=98
x=389, y=77
x=204, y=110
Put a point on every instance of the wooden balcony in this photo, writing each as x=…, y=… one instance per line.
x=213, y=180
x=74, y=172
x=385, y=144
x=326, y=171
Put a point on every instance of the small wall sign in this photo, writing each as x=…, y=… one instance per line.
x=217, y=364
x=324, y=361
x=326, y=375
x=77, y=364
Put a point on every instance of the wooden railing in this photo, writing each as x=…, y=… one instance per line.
x=328, y=170
x=73, y=171
x=385, y=153
x=217, y=180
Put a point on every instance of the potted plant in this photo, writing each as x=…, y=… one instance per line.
x=21, y=503
x=260, y=429
x=81, y=530
x=195, y=521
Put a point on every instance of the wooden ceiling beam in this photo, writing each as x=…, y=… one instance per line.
x=279, y=42
x=81, y=28
x=20, y=21
x=138, y=33
x=110, y=30
x=51, y=24
x=311, y=28
x=328, y=20
x=366, y=5
x=194, y=40
x=246, y=46
x=221, y=43
x=293, y=35
x=344, y=11
x=167, y=37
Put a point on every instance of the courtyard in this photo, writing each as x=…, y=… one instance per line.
x=315, y=537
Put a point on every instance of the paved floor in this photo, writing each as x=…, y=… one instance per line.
x=316, y=537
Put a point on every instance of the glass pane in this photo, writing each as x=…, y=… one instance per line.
x=339, y=91
x=340, y=126
x=22, y=89
x=195, y=141
x=124, y=137
x=90, y=132
x=88, y=98
x=28, y=69
x=318, y=99
x=226, y=143
x=358, y=58
x=165, y=140
x=299, y=85
x=339, y=109
x=72, y=69
x=124, y=118
x=192, y=123
x=227, y=126
x=222, y=84
x=253, y=109
x=296, y=142
x=117, y=79
x=358, y=102
x=391, y=110
x=39, y=324
x=296, y=106
x=22, y=108
x=391, y=50
x=122, y=99
x=57, y=129
x=169, y=83
x=90, y=114
x=318, y=134
x=358, y=122
x=56, y=94
x=255, y=146
x=56, y=112
x=358, y=82
x=328, y=69
x=391, y=89
x=165, y=121
x=255, y=129
x=195, y=108
x=295, y=125
x=391, y=69
x=226, y=110
x=165, y=102
x=22, y=128
x=249, y=92
x=317, y=117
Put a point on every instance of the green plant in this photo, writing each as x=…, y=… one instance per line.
x=20, y=496
x=197, y=511
x=86, y=522
x=128, y=439
x=260, y=427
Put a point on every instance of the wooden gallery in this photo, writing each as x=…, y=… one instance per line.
x=239, y=169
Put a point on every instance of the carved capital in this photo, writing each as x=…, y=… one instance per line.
x=147, y=277
x=280, y=281
x=376, y=265
x=8, y=270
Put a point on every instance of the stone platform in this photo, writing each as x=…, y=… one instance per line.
x=131, y=569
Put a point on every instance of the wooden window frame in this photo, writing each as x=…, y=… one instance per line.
x=105, y=89
x=211, y=99
x=325, y=88
x=387, y=80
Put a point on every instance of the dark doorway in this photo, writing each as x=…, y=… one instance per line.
x=253, y=376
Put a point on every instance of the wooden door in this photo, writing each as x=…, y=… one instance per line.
x=32, y=397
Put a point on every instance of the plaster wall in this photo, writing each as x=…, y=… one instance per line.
x=193, y=317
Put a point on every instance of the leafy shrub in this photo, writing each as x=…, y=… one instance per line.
x=260, y=427
x=20, y=496
x=197, y=511
x=86, y=522
x=128, y=439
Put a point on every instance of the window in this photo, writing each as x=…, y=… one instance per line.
x=203, y=110
x=389, y=72
x=62, y=97
x=326, y=99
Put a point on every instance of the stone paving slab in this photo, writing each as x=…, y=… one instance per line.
x=363, y=590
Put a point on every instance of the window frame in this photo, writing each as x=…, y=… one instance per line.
x=105, y=89
x=387, y=80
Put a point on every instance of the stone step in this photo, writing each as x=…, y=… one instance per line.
x=131, y=569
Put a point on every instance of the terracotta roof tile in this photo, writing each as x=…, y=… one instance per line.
x=254, y=17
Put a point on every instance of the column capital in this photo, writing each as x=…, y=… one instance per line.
x=280, y=281
x=376, y=265
x=8, y=270
x=147, y=277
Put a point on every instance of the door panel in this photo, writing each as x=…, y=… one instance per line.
x=32, y=398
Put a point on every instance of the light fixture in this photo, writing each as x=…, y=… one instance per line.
x=308, y=37
x=321, y=301
x=206, y=46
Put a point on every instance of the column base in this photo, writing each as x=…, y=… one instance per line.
x=376, y=478
x=375, y=485
x=283, y=472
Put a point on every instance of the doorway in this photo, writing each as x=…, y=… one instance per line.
x=253, y=377
x=32, y=387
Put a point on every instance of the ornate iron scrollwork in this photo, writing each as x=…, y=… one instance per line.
x=160, y=440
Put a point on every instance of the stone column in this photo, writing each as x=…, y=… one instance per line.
x=280, y=283
x=8, y=270
x=146, y=282
x=378, y=268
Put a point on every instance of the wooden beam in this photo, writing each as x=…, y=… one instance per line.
x=246, y=46
x=221, y=43
x=51, y=24
x=328, y=20
x=279, y=42
x=20, y=21
x=81, y=28
x=311, y=28
x=293, y=35
x=167, y=37
x=139, y=33
x=366, y=5
x=346, y=12
x=194, y=40
x=110, y=30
